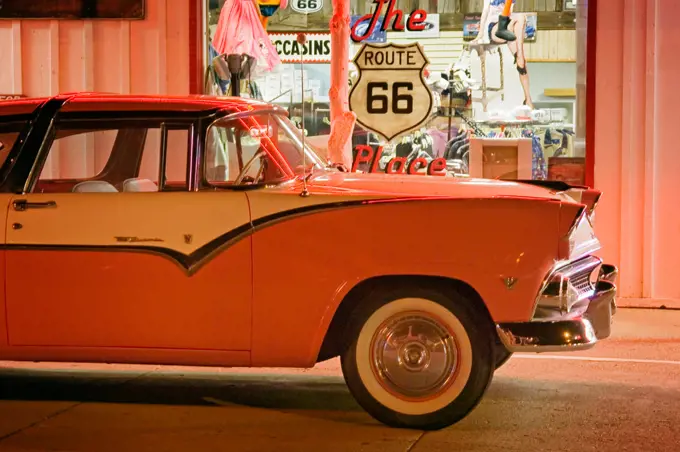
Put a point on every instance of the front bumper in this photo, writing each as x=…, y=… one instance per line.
x=578, y=329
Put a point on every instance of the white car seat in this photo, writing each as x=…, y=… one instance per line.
x=94, y=186
x=139, y=185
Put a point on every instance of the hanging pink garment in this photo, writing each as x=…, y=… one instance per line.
x=239, y=31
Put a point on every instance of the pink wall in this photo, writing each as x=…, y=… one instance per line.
x=637, y=162
x=47, y=57
x=42, y=57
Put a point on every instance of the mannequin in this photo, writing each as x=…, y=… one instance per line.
x=504, y=23
x=241, y=30
x=497, y=26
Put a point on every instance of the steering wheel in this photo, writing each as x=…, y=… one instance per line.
x=243, y=178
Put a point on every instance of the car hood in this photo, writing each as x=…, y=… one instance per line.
x=417, y=186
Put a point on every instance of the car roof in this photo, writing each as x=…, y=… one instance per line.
x=102, y=102
x=23, y=106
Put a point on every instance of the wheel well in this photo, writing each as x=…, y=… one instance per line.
x=335, y=339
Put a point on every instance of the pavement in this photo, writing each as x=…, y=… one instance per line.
x=649, y=303
x=624, y=395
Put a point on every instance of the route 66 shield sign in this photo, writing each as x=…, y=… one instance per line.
x=391, y=96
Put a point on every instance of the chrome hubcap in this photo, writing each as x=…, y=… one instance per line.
x=414, y=355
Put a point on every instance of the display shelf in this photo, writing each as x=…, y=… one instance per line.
x=523, y=123
x=567, y=104
x=559, y=92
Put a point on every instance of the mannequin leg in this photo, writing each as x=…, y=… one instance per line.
x=520, y=28
x=512, y=45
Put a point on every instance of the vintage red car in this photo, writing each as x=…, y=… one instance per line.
x=197, y=231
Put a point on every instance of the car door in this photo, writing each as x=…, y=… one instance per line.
x=99, y=258
x=10, y=130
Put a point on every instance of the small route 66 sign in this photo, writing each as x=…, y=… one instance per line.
x=391, y=96
x=306, y=6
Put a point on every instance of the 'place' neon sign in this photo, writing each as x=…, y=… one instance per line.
x=397, y=165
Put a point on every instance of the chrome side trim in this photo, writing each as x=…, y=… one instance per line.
x=579, y=216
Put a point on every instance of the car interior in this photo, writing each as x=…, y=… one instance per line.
x=120, y=173
x=134, y=184
x=239, y=152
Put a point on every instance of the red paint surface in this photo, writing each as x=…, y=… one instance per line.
x=128, y=299
x=297, y=291
x=117, y=102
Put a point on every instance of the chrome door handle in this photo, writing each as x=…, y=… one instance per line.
x=22, y=204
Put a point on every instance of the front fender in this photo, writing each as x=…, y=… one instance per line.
x=503, y=248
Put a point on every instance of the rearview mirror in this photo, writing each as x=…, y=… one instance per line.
x=261, y=131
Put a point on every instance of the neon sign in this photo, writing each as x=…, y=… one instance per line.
x=416, y=21
x=398, y=165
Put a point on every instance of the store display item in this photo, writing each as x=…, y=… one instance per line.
x=182, y=238
x=240, y=31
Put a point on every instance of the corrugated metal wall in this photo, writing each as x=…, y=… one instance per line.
x=41, y=57
x=47, y=57
x=636, y=141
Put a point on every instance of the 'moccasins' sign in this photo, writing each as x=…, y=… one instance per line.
x=316, y=50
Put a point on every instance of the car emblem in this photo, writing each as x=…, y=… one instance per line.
x=510, y=282
x=188, y=238
x=126, y=239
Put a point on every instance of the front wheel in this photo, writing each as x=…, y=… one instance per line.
x=502, y=355
x=418, y=358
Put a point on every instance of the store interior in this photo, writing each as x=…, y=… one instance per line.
x=482, y=120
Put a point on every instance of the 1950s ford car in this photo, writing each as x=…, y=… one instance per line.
x=198, y=231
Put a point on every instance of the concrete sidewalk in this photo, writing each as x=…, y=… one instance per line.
x=622, y=395
x=649, y=303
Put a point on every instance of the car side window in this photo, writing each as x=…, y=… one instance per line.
x=126, y=158
x=175, y=161
x=9, y=134
x=7, y=140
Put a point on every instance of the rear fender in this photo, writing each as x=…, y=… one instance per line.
x=579, y=193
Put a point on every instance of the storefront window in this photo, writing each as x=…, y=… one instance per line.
x=508, y=94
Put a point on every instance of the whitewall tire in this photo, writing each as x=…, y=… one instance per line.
x=418, y=358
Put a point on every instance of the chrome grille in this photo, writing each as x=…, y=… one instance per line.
x=567, y=285
x=581, y=274
x=581, y=281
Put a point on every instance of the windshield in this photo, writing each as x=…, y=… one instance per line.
x=256, y=149
x=293, y=134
